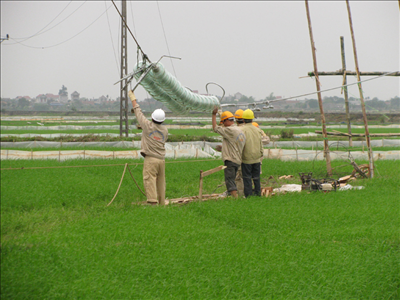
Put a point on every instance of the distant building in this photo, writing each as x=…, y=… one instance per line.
x=41, y=98
x=26, y=97
x=238, y=95
x=102, y=99
x=75, y=96
x=63, y=93
x=45, y=98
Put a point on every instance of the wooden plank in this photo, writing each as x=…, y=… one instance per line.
x=209, y=172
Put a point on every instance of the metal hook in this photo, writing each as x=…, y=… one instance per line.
x=220, y=87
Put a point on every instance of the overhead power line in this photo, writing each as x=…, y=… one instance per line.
x=40, y=31
x=45, y=47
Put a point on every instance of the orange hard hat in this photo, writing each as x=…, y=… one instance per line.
x=226, y=115
x=255, y=124
x=239, y=114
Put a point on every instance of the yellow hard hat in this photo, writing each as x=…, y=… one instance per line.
x=226, y=115
x=248, y=114
x=255, y=124
x=239, y=114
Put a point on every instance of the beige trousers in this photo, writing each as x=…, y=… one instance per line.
x=154, y=179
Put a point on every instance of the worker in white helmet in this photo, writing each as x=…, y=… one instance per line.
x=153, y=141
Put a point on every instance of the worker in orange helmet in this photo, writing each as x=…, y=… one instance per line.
x=239, y=117
x=233, y=141
x=265, y=138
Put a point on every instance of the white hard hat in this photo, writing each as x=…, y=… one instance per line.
x=158, y=115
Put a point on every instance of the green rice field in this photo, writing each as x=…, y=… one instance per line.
x=60, y=240
x=208, y=132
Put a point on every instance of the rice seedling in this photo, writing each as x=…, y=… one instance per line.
x=60, y=240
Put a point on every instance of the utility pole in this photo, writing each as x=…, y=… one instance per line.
x=123, y=122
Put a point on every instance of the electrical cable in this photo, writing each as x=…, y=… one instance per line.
x=112, y=42
x=165, y=37
x=70, y=37
x=345, y=88
x=330, y=89
x=133, y=20
x=137, y=44
x=39, y=32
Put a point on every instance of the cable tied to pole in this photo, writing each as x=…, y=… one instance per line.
x=138, y=46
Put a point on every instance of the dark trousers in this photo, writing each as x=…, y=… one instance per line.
x=251, y=172
x=230, y=175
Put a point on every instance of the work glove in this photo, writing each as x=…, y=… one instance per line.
x=131, y=95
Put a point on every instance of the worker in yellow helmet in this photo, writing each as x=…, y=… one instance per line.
x=251, y=156
x=233, y=141
x=265, y=140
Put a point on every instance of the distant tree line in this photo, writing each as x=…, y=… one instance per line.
x=333, y=103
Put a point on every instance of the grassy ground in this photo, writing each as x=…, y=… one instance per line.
x=59, y=240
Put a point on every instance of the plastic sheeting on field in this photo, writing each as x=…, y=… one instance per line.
x=105, y=127
x=117, y=127
x=196, y=151
x=309, y=155
x=92, y=154
x=184, y=145
x=333, y=144
x=53, y=135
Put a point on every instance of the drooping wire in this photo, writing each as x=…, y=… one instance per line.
x=165, y=37
x=66, y=39
x=330, y=89
x=133, y=20
x=40, y=31
x=354, y=96
x=112, y=42
x=123, y=20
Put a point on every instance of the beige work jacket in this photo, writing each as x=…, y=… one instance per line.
x=232, y=143
x=154, y=136
x=253, y=149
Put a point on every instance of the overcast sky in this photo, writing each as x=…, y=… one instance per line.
x=255, y=48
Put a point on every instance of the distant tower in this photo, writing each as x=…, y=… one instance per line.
x=63, y=93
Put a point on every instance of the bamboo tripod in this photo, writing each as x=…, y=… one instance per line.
x=343, y=72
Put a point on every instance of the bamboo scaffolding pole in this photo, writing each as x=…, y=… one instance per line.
x=370, y=155
x=341, y=72
x=346, y=97
x=326, y=146
x=337, y=133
